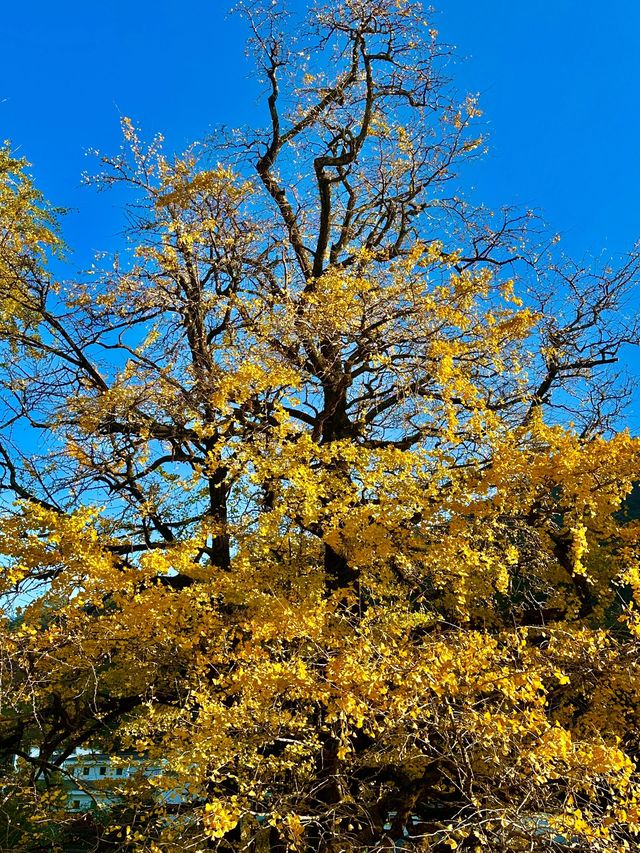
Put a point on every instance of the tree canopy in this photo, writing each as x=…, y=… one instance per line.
x=313, y=492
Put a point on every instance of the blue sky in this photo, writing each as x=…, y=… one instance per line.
x=559, y=84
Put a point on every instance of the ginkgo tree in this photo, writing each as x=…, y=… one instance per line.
x=314, y=498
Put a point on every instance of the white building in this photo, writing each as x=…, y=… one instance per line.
x=95, y=779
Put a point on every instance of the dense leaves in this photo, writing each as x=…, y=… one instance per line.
x=313, y=499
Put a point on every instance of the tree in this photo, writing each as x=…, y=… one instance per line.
x=317, y=489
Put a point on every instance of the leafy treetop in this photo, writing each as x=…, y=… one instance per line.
x=317, y=491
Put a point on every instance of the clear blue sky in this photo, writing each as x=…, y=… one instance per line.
x=559, y=83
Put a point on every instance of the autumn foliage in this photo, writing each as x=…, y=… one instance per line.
x=313, y=496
